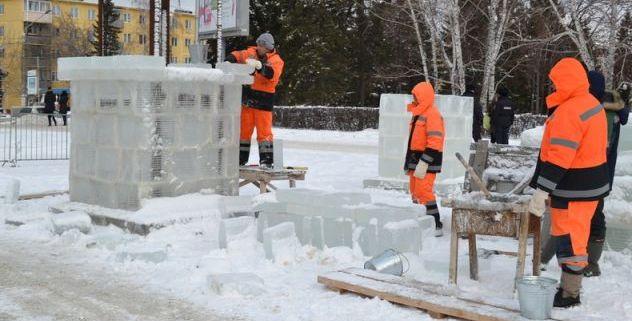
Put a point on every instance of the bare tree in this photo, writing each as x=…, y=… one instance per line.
x=71, y=40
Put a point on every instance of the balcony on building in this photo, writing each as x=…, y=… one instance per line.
x=38, y=11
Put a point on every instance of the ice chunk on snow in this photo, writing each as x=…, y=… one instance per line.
x=280, y=243
x=71, y=220
x=532, y=137
x=151, y=255
x=12, y=191
x=403, y=236
x=236, y=284
x=231, y=228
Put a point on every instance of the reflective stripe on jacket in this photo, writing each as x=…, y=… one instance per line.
x=572, y=164
x=427, y=133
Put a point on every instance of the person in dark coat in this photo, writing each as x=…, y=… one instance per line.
x=49, y=105
x=63, y=105
x=502, y=116
x=477, y=112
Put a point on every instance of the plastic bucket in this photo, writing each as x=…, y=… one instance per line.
x=388, y=262
x=536, y=294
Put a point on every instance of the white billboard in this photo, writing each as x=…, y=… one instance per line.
x=235, y=18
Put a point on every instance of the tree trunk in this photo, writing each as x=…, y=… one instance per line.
x=420, y=43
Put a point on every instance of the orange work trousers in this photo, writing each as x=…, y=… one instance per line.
x=571, y=227
x=252, y=118
x=422, y=192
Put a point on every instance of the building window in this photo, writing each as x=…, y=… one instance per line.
x=1, y=31
x=127, y=38
x=187, y=60
x=174, y=60
x=1, y=8
x=53, y=76
x=142, y=39
x=92, y=14
x=1, y=52
x=74, y=12
x=188, y=24
x=56, y=11
x=174, y=42
x=127, y=17
x=187, y=42
x=141, y=19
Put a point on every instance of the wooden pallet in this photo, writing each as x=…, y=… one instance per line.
x=437, y=300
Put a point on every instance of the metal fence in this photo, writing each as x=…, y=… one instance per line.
x=25, y=135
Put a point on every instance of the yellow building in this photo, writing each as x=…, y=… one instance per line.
x=34, y=33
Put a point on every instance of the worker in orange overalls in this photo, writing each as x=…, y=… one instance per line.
x=572, y=172
x=258, y=98
x=425, y=150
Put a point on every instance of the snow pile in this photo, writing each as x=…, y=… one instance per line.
x=532, y=137
x=63, y=222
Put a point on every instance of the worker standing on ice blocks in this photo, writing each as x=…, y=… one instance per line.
x=425, y=150
x=258, y=98
x=572, y=172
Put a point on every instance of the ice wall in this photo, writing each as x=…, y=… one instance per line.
x=141, y=130
x=393, y=133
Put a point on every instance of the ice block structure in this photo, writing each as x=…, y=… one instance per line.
x=142, y=130
x=394, y=133
x=350, y=219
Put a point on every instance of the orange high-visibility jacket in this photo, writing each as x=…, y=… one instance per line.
x=572, y=164
x=260, y=95
x=425, y=142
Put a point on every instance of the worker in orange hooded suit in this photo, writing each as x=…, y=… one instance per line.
x=425, y=150
x=572, y=172
x=258, y=98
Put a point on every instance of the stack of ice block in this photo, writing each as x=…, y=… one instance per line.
x=143, y=130
x=327, y=219
x=394, y=132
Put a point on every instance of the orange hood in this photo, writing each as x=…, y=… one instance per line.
x=424, y=94
x=570, y=80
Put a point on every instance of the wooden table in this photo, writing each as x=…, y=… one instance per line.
x=492, y=219
x=262, y=178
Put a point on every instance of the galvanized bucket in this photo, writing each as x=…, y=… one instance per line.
x=536, y=294
x=389, y=262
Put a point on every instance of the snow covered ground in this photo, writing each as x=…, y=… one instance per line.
x=177, y=261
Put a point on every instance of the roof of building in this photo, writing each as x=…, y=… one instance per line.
x=176, y=5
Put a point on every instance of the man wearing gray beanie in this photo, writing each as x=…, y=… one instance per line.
x=258, y=98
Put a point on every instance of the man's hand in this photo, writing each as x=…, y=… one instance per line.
x=421, y=169
x=254, y=63
x=537, y=205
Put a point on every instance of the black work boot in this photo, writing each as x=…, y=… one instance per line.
x=568, y=294
x=266, y=156
x=595, y=248
x=244, y=152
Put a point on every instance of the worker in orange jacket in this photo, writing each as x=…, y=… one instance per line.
x=572, y=172
x=258, y=98
x=425, y=150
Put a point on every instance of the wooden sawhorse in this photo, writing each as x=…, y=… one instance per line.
x=511, y=220
x=262, y=178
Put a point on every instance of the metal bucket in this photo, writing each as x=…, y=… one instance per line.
x=389, y=262
x=536, y=294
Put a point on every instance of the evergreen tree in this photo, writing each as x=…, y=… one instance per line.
x=111, y=30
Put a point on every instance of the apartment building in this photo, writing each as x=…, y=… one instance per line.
x=34, y=33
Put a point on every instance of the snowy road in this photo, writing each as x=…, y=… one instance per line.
x=43, y=284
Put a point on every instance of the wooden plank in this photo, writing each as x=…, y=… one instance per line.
x=454, y=251
x=522, y=244
x=535, y=225
x=479, y=162
x=418, y=298
x=432, y=288
x=41, y=195
x=473, y=256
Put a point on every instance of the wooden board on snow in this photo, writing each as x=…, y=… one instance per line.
x=437, y=300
